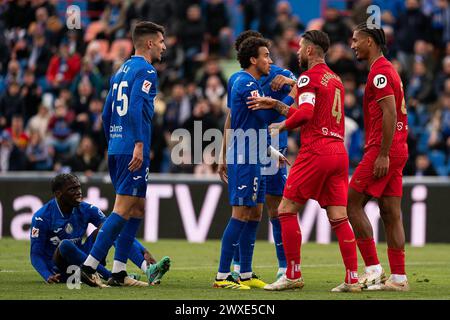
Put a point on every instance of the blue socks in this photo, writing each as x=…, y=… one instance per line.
x=276, y=231
x=107, y=235
x=126, y=239
x=230, y=240
x=135, y=254
x=247, y=245
x=74, y=256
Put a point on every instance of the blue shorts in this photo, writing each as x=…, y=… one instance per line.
x=246, y=185
x=124, y=181
x=275, y=182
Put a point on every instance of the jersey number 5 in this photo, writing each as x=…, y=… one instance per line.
x=336, y=110
x=121, y=97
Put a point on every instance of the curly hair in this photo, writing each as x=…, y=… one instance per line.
x=245, y=35
x=250, y=48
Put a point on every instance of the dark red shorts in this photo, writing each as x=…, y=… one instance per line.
x=320, y=177
x=391, y=185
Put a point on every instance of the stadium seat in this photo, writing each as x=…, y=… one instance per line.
x=437, y=159
x=120, y=49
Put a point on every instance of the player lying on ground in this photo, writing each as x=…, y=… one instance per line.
x=127, y=122
x=380, y=171
x=278, y=86
x=320, y=171
x=57, y=230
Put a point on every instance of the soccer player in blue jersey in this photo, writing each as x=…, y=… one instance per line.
x=57, y=230
x=277, y=84
x=127, y=117
x=244, y=165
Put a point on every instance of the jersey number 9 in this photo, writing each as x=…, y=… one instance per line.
x=121, y=97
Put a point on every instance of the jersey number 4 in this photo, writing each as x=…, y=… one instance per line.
x=121, y=97
x=336, y=110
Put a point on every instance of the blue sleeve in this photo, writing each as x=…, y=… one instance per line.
x=265, y=116
x=38, y=236
x=107, y=113
x=96, y=216
x=286, y=88
x=140, y=92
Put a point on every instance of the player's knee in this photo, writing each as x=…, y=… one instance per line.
x=65, y=247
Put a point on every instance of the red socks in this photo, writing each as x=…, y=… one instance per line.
x=396, y=260
x=347, y=245
x=368, y=251
x=292, y=241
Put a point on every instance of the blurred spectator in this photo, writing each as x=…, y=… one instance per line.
x=18, y=14
x=442, y=75
x=410, y=19
x=62, y=137
x=37, y=153
x=14, y=72
x=17, y=132
x=250, y=12
x=11, y=157
x=86, y=159
x=31, y=94
x=11, y=103
x=218, y=28
x=335, y=26
x=420, y=87
x=191, y=35
x=215, y=93
x=63, y=67
x=114, y=18
x=285, y=19
x=423, y=166
x=90, y=74
x=82, y=97
x=137, y=10
x=353, y=110
x=340, y=60
x=212, y=68
x=39, y=122
x=178, y=109
x=438, y=21
x=40, y=56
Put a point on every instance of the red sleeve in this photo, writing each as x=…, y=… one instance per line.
x=300, y=117
x=382, y=85
x=291, y=111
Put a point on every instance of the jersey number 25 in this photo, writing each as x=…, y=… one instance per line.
x=121, y=97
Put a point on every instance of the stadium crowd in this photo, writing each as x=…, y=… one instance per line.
x=53, y=80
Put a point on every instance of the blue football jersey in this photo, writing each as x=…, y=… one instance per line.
x=129, y=107
x=247, y=123
x=278, y=95
x=49, y=226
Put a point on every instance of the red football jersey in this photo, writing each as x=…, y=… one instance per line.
x=384, y=81
x=324, y=133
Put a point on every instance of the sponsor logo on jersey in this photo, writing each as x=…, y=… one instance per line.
x=380, y=81
x=250, y=84
x=255, y=93
x=146, y=86
x=137, y=178
x=69, y=228
x=151, y=71
x=35, y=232
x=39, y=219
x=242, y=187
x=302, y=81
x=57, y=230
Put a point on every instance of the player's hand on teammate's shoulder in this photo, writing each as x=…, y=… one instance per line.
x=381, y=166
x=257, y=103
x=54, y=278
x=277, y=127
x=279, y=81
x=138, y=157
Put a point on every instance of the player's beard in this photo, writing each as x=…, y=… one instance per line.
x=303, y=64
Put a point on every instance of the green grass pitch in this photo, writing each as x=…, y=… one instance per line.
x=194, y=267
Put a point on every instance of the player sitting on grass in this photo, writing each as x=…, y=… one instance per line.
x=57, y=230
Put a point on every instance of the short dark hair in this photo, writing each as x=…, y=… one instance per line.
x=250, y=48
x=61, y=179
x=245, y=35
x=318, y=38
x=144, y=28
x=375, y=32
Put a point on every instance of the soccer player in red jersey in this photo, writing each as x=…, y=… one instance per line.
x=320, y=171
x=379, y=173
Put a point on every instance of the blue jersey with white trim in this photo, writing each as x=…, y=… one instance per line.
x=49, y=226
x=129, y=107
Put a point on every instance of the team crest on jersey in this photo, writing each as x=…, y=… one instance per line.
x=35, y=232
x=69, y=228
x=380, y=81
x=255, y=93
x=146, y=86
x=302, y=81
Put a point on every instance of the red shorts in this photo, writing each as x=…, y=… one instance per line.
x=320, y=177
x=391, y=185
